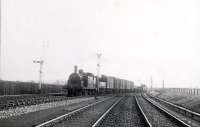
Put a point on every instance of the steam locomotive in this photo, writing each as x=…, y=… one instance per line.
x=84, y=83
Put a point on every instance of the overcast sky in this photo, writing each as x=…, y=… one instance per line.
x=138, y=39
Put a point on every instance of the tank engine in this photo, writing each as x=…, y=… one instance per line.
x=80, y=83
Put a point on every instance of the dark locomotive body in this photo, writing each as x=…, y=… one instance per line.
x=81, y=83
x=74, y=86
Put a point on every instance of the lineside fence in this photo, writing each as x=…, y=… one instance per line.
x=186, y=91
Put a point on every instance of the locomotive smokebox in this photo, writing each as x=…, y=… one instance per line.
x=75, y=69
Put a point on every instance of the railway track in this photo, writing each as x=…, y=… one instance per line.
x=130, y=111
x=82, y=117
x=180, y=113
x=127, y=113
x=158, y=116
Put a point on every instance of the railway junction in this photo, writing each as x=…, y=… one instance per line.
x=136, y=109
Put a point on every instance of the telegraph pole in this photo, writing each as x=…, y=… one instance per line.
x=163, y=84
x=151, y=80
x=98, y=72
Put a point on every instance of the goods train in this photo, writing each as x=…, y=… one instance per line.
x=81, y=83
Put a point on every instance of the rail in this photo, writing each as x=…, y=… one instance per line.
x=143, y=114
x=182, y=123
x=193, y=114
x=60, y=118
x=179, y=107
x=103, y=116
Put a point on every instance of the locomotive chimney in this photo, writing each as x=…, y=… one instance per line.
x=75, y=69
